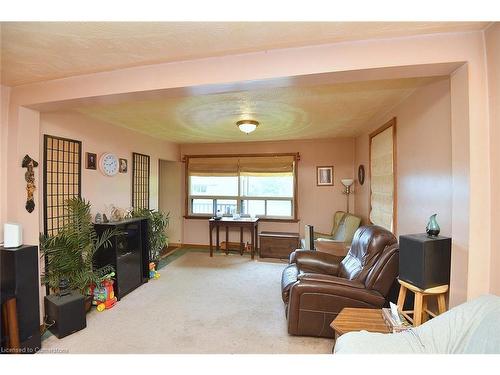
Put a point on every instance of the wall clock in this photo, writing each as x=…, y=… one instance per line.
x=108, y=164
x=361, y=174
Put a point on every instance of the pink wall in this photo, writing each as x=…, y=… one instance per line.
x=493, y=57
x=428, y=49
x=4, y=120
x=429, y=178
x=423, y=144
x=100, y=137
x=316, y=205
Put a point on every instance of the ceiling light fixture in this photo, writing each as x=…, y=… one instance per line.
x=247, y=126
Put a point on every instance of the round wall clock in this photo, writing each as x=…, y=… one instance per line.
x=108, y=164
x=361, y=174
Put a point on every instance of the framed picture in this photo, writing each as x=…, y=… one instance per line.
x=324, y=176
x=91, y=160
x=123, y=166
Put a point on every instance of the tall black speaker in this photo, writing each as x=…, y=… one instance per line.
x=424, y=261
x=19, y=279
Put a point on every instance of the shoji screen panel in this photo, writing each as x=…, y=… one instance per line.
x=62, y=176
x=383, y=193
x=140, y=180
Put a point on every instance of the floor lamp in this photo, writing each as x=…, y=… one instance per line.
x=347, y=182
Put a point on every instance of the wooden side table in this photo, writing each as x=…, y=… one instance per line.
x=358, y=319
x=420, y=312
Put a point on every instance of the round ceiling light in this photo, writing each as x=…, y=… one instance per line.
x=247, y=126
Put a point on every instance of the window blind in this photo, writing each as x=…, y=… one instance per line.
x=382, y=179
x=241, y=165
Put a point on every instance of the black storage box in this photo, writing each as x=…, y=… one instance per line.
x=424, y=261
x=68, y=313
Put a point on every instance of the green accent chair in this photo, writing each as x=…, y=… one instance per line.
x=339, y=240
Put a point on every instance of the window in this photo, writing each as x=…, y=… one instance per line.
x=259, y=185
x=61, y=178
x=140, y=180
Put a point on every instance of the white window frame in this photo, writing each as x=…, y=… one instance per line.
x=240, y=198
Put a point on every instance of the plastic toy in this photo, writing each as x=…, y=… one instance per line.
x=153, y=273
x=104, y=295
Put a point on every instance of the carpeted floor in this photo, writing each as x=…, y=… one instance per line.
x=224, y=304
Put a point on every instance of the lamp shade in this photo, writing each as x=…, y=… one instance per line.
x=347, y=182
x=247, y=126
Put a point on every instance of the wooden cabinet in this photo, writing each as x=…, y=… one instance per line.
x=128, y=254
x=278, y=244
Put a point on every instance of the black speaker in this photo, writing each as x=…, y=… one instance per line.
x=19, y=279
x=424, y=261
x=67, y=311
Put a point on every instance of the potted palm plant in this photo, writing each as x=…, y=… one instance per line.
x=69, y=254
x=157, y=236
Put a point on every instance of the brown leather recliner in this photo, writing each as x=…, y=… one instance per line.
x=316, y=286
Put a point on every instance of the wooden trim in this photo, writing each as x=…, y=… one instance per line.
x=206, y=217
x=186, y=186
x=296, y=155
x=392, y=122
x=195, y=246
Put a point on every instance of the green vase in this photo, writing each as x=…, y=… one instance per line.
x=432, y=227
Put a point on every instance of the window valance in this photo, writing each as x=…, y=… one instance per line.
x=241, y=165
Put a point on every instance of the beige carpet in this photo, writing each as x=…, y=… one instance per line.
x=224, y=304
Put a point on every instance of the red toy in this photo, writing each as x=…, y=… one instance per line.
x=104, y=295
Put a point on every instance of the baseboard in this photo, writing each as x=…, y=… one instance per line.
x=195, y=246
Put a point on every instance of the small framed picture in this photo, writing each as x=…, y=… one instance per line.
x=324, y=176
x=123, y=166
x=91, y=161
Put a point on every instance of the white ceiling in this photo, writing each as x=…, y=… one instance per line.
x=40, y=51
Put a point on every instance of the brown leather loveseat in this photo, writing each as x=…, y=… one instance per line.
x=316, y=286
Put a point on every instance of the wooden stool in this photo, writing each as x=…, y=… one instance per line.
x=420, y=311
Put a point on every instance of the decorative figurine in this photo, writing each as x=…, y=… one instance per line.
x=432, y=227
x=98, y=218
x=29, y=176
x=105, y=218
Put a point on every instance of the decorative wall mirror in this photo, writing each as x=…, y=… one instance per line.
x=383, y=192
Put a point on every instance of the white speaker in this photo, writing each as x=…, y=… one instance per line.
x=12, y=235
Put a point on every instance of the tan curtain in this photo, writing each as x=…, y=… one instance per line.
x=231, y=166
x=266, y=165
x=382, y=179
x=223, y=166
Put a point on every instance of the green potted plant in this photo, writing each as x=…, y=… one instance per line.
x=157, y=236
x=69, y=254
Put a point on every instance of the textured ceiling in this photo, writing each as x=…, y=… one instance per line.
x=284, y=113
x=40, y=51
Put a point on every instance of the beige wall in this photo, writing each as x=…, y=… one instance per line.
x=170, y=198
x=99, y=137
x=4, y=120
x=492, y=38
x=316, y=205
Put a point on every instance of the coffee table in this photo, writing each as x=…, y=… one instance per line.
x=356, y=319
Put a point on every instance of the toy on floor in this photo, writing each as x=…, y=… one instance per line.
x=153, y=273
x=104, y=295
